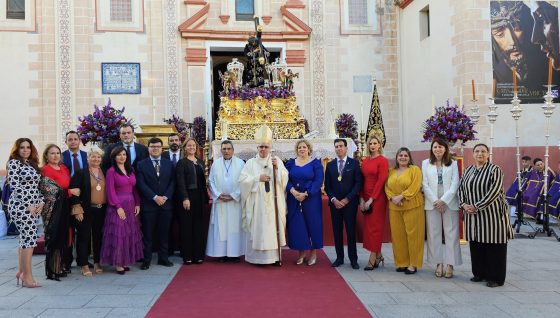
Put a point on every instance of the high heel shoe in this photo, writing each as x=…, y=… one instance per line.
x=369, y=266
x=439, y=270
x=33, y=284
x=449, y=271
x=312, y=261
x=410, y=272
x=86, y=272
x=379, y=259
x=300, y=260
x=121, y=271
x=97, y=268
x=18, y=275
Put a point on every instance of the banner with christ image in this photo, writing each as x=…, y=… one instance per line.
x=524, y=37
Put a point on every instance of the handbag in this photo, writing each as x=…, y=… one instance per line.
x=6, y=193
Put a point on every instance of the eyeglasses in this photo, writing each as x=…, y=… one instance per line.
x=263, y=147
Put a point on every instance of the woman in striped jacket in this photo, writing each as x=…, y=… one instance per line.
x=487, y=224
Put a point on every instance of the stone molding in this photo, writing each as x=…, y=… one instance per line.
x=318, y=65
x=64, y=71
x=196, y=56
x=172, y=66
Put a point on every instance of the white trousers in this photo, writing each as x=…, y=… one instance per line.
x=448, y=223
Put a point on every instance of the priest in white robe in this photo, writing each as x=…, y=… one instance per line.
x=257, y=197
x=226, y=238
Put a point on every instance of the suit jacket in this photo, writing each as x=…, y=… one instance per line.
x=450, y=176
x=149, y=184
x=67, y=159
x=350, y=185
x=81, y=180
x=167, y=155
x=141, y=153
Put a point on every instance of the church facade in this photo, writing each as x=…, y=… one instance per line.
x=57, y=57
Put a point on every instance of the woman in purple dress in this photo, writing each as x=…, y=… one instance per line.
x=122, y=237
x=304, y=221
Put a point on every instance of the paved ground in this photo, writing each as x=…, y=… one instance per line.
x=532, y=288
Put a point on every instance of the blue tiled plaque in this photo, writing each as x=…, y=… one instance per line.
x=120, y=78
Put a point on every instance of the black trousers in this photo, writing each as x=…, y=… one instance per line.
x=150, y=219
x=346, y=215
x=489, y=261
x=193, y=246
x=174, y=228
x=97, y=216
x=82, y=233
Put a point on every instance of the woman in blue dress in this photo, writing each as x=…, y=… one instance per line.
x=305, y=222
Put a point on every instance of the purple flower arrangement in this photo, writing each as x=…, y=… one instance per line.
x=102, y=126
x=450, y=123
x=347, y=126
x=245, y=93
x=183, y=128
x=199, y=130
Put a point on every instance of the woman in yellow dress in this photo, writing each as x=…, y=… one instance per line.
x=406, y=212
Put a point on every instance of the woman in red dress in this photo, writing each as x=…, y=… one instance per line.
x=373, y=202
x=54, y=187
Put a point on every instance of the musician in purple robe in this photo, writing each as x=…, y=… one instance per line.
x=532, y=194
x=554, y=198
x=526, y=167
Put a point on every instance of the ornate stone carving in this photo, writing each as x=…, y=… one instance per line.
x=63, y=53
x=172, y=66
x=318, y=65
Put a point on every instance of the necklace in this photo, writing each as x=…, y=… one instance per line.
x=227, y=167
x=97, y=179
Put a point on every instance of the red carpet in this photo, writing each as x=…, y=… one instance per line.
x=214, y=289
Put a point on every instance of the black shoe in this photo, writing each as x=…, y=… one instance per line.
x=165, y=263
x=199, y=261
x=187, y=262
x=355, y=266
x=277, y=263
x=234, y=259
x=144, y=266
x=401, y=269
x=67, y=270
x=126, y=268
x=337, y=263
x=223, y=259
x=121, y=272
x=494, y=284
x=53, y=277
x=476, y=279
x=409, y=272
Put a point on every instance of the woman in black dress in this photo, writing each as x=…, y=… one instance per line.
x=191, y=189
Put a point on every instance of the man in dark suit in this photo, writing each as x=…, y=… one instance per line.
x=137, y=152
x=74, y=158
x=175, y=153
x=156, y=184
x=343, y=181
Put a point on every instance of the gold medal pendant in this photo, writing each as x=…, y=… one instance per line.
x=98, y=188
x=339, y=178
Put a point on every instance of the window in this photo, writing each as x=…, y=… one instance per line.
x=357, y=12
x=15, y=9
x=425, y=22
x=244, y=10
x=121, y=10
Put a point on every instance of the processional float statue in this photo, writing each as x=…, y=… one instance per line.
x=258, y=93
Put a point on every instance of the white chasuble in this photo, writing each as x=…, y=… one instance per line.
x=258, y=209
x=225, y=235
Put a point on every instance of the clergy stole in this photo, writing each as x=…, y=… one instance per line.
x=258, y=205
x=224, y=181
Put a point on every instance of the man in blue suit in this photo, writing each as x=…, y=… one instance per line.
x=156, y=183
x=74, y=158
x=137, y=152
x=343, y=181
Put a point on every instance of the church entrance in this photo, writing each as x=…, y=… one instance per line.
x=219, y=61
